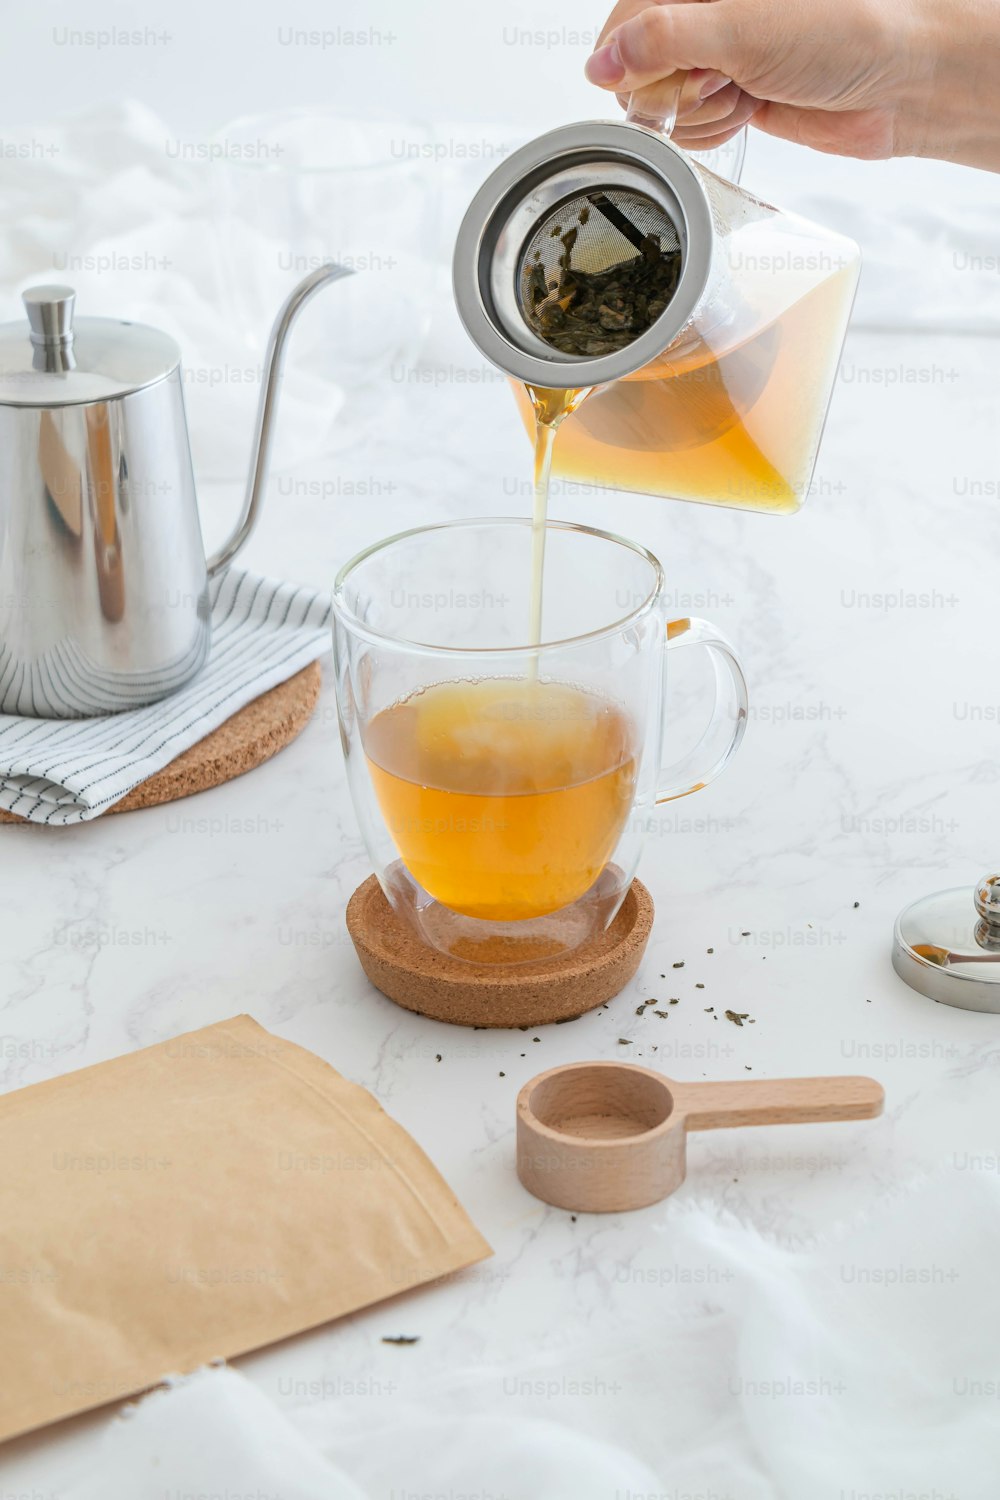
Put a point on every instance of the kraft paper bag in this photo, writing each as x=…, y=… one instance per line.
x=193, y=1201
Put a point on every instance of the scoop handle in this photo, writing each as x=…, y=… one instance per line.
x=777, y=1101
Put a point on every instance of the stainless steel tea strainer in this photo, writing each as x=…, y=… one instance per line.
x=587, y=199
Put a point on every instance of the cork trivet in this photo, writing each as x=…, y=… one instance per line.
x=420, y=978
x=250, y=737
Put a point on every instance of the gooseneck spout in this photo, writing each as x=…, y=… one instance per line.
x=260, y=453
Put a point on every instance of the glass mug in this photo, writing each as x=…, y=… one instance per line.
x=503, y=789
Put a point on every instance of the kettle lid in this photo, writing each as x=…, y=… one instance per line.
x=55, y=360
x=947, y=946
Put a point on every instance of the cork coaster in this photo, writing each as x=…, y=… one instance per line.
x=531, y=994
x=250, y=737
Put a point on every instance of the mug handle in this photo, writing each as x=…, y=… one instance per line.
x=728, y=723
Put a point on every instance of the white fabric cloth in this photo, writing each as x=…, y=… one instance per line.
x=67, y=771
x=780, y=1387
x=216, y=1435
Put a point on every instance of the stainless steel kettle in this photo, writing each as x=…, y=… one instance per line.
x=104, y=601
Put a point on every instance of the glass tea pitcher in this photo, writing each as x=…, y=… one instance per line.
x=705, y=325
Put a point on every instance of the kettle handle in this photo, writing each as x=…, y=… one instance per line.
x=260, y=452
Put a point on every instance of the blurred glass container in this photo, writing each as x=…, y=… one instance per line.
x=296, y=188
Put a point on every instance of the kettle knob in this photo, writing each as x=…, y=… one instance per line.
x=50, y=313
x=988, y=900
x=50, y=318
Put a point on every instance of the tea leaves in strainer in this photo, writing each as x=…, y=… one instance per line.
x=598, y=270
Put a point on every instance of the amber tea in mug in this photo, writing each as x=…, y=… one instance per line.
x=505, y=797
x=502, y=783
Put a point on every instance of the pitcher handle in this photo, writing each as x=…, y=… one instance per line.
x=260, y=452
x=728, y=723
x=654, y=107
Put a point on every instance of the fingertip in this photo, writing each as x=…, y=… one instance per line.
x=605, y=66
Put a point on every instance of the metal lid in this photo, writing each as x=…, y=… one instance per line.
x=947, y=946
x=501, y=221
x=53, y=360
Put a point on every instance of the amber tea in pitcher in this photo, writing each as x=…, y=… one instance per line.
x=694, y=330
x=740, y=428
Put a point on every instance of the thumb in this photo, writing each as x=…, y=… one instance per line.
x=664, y=38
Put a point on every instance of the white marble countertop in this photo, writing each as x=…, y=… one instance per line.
x=868, y=776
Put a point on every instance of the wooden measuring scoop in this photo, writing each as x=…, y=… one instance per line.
x=601, y=1137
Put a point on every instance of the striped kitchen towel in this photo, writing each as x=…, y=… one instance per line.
x=69, y=770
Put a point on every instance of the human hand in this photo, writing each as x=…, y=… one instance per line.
x=864, y=78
